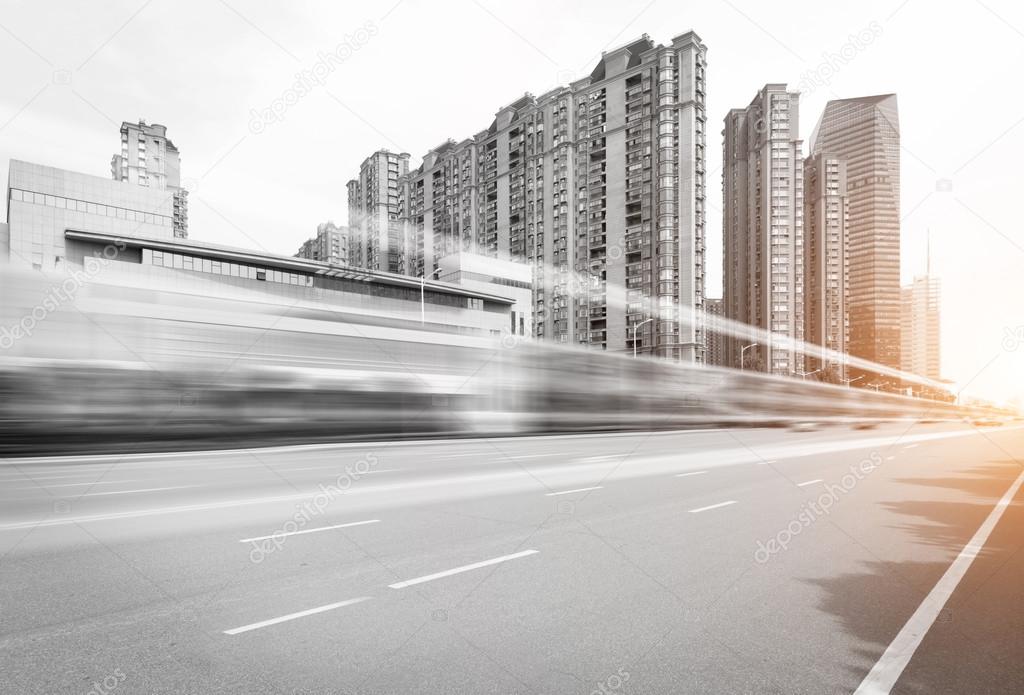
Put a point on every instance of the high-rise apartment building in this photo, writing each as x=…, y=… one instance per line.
x=715, y=338
x=826, y=272
x=329, y=245
x=377, y=238
x=920, y=324
x=149, y=158
x=599, y=186
x=865, y=133
x=763, y=227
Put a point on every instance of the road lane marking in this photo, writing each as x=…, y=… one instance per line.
x=338, y=469
x=887, y=670
x=293, y=616
x=809, y=482
x=309, y=530
x=145, y=489
x=569, y=492
x=684, y=475
x=459, y=570
x=765, y=463
x=23, y=477
x=889, y=458
x=910, y=446
x=712, y=506
x=307, y=468
x=97, y=482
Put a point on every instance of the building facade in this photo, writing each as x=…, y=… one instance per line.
x=826, y=271
x=43, y=202
x=920, y=328
x=377, y=239
x=865, y=133
x=763, y=227
x=148, y=158
x=495, y=276
x=599, y=187
x=104, y=232
x=329, y=245
x=716, y=339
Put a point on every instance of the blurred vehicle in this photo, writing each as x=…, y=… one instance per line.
x=123, y=367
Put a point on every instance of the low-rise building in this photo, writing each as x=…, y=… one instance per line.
x=60, y=220
x=495, y=276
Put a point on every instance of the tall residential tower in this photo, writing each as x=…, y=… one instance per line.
x=826, y=272
x=329, y=245
x=763, y=227
x=376, y=237
x=148, y=158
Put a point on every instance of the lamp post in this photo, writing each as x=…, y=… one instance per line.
x=423, y=282
x=807, y=374
x=743, y=351
x=850, y=381
x=636, y=327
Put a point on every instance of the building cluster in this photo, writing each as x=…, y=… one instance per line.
x=585, y=209
x=811, y=243
x=596, y=186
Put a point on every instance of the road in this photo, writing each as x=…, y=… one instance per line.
x=724, y=561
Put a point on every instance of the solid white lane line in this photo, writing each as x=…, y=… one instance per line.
x=883, y=676
x=684, y=475
x=910, y=446
x=713, y=506
x=309, y=530
x=97, y=482
x=335, y=467
x=25, y=477
x=765, y=463
x=293, y=616
x=569, y=492
x=809, y=482
x=459, y=570
x=307, y=468
x=128, y=492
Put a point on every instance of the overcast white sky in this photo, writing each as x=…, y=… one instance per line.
x=430, y=71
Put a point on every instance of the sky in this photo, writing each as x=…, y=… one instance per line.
x=408, y=75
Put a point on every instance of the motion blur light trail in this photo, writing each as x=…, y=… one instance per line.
x=154, y=367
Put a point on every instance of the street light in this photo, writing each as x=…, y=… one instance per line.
x=850, y=381
x=636, y=327
x=807, y=374
x=743, y=351
x=423, y=282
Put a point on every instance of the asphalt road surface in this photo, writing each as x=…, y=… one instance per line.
x=726, y=561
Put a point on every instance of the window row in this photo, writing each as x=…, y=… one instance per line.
x=62, y=203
